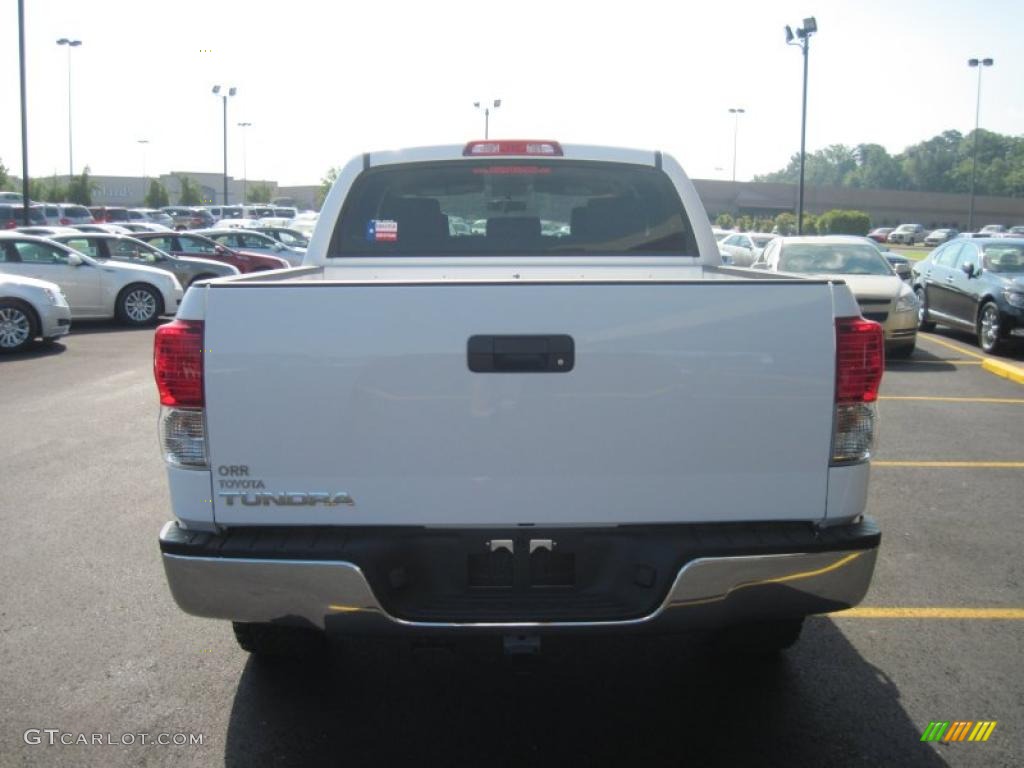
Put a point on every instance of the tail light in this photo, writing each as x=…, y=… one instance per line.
x=860, y=360
x=65, y=221
x=512, y=147
x=178, y=369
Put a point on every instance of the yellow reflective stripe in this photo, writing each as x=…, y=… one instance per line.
x=988, y=731
x=928, y=612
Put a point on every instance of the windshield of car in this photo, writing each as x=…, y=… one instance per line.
x=762, y=241
x=1004, y=258
x=528, y=207
x=833, y=258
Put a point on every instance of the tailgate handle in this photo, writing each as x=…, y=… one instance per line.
x=521, y=354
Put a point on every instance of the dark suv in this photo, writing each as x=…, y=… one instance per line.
x=12, y=216
x=977, y=285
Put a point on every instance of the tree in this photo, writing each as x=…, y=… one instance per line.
x=5, y=179
x=325, y=184
x=810, y=224
x=189, y=193
x=786, y=224
x=157, y=196
x=259, y=193
x=725, y=221
x=838, y=222
x=744, y=223
x=80, y=188
x=51, y=191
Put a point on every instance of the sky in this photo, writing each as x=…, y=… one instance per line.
x=323, y=81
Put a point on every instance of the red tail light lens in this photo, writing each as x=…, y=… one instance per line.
x=513, y=147
x=178, y=363
x=65, y=222
x=860, y=359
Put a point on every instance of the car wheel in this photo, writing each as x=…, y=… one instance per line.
x=762, y=638
x=275, y=640
x=923, y=323
x=989, y=327
x=17, y=325
x=139, y=305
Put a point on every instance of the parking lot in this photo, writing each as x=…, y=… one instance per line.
x=92, y=642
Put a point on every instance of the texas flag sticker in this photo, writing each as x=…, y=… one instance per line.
x=382, y=230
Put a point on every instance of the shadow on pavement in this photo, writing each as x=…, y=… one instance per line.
x=623, y=701
x=39, y=349
x=921, y=361
x=85, y=327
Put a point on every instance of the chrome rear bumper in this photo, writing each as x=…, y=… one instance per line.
x=335, y=595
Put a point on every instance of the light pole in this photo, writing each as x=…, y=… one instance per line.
x=231, y=92
x=71, y=160
x=803, y=41
x=735, y=112
x=245, y=170
x=487, y=114
x=980, y=64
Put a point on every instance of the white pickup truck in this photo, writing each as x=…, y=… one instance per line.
x=574, y=420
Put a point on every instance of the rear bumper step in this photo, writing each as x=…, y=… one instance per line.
x=662, y=578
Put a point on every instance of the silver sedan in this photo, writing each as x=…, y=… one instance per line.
x=30, y=308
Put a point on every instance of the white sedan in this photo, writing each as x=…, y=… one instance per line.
x=30, y=308
x=743, y=248
x=134, y=294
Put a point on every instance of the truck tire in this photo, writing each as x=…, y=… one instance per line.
x=762, y=638
x=276, y=640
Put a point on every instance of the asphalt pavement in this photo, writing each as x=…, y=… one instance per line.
x=91, y=642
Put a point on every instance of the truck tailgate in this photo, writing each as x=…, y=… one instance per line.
x=686, y=402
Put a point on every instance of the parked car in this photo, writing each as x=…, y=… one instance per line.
x=393, y=443
x=254, y=242
x=135, y=295
x=238, y=223
x=907, y=234
x=743, y=248
x=184, y=217
x=30, y=309
x=975, y=285
x=145, y=226
x=1017, y=231
x=110, y=229
x=305, y=222
x=14, y=198
x=65, y=214
x=103, y=215
x=218, y=212
x=880, y=234
x=940, y=236
x=291, y=237
x=45, y=231
x=993, y=229
x=901, y=265
x=882, y=296
x=151, y=215
x=132, y=251
x=188, y=244
x=13, y=215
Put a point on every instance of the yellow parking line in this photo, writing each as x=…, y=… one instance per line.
x=952, y=464
x=954, y=347
x=934, y=362
x=873, y=612
x=1005, y=400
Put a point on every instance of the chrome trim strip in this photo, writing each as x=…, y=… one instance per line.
x=259, y=590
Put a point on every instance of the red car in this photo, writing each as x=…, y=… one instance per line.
x=187, y=244
x=879, y=235
x=103, y=215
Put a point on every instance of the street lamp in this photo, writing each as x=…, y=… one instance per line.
x=803, y=41
x=735, y=112
x=142, y=143
x=70, y=44
x=487, y=114
x=231, y=92
x=980, y=64
x=245, y=173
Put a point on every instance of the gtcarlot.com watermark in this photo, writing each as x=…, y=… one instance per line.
x=55, y=737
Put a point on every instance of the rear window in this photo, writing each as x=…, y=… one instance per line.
x=77, y=212
x=512, y=207
x=833, y=258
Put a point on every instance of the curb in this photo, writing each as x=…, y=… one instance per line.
x=1007, y=371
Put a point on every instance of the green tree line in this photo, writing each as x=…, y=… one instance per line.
x=940, y=164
